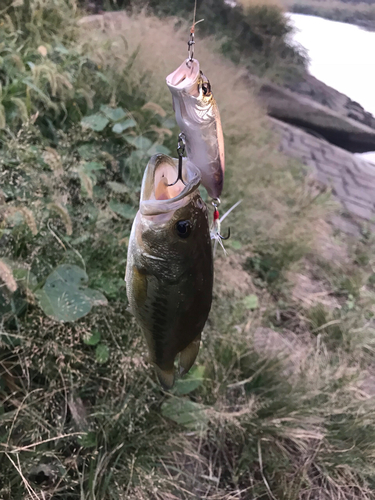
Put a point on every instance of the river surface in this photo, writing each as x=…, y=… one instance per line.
x=342, y=56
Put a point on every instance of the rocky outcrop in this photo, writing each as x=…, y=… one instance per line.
x=335, y=123
x=351, y=178
x=327, y=96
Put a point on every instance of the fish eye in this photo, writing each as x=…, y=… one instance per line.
x=183, y=228
x=206, y=88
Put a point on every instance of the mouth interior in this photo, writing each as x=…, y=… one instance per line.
x=186, y=74
x=166, y=174
x=179, y=76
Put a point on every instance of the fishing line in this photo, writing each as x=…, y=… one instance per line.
x=195, y=12
x=191, y=40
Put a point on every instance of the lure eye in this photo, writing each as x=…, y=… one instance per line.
x=206, y=88
x=183, y=228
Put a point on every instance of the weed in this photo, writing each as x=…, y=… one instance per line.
x=251, y=33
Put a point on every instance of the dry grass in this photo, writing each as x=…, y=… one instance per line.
x=249, y=142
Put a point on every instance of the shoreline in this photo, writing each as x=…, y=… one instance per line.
x=341, y=12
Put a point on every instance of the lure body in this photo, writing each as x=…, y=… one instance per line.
x=169, y=272
x=198, y=117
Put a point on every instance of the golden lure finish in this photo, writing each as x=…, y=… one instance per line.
x=198, y=117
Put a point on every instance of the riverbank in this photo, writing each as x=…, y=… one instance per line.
x=351, y=178
x=359, y=13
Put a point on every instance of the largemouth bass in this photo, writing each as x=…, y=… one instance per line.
x=169, y=272
x=198, y=117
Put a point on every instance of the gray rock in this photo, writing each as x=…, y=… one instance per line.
x=327, y=96
x=351, y=179
x=329, y=123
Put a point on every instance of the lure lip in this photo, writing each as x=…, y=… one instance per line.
x=184, y=77
x=151, y=207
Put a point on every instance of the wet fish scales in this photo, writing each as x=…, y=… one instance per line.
x=169, y=278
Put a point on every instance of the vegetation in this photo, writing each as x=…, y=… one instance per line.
x=253, y=34
x=280, y=403
x=346, y=11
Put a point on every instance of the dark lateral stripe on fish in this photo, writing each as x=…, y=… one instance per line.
x=159, y=327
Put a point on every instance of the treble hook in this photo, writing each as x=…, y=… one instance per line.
x=180, y=152
x=226, y=237
x=216, y=203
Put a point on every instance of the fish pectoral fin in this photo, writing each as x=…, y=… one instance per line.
x=166, y=377
x=189, y=355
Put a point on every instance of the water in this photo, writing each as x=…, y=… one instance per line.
x=342, y=56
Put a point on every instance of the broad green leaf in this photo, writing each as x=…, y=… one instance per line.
x=118, y=128
x=62, y=303
x=117, y=187
x=139, y=142
x=185, y=412
x=69, y=274
x=96, y=297
x=93, y=339
x=93, y=166
x=169, y=123
x=134, y=161
x=191, y=381
x=102, y=354
x=251, y=302
x=88, y=151
x=158, y=148
x=96, y=122
x=123, y=209
x=64, y=295
x=113, y=114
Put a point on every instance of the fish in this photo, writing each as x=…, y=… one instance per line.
x=198, y=117
x=169, y=271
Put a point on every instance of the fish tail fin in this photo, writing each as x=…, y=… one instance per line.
x=166, y=377
x=189, y=354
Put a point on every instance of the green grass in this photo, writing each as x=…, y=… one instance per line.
x=82, y=415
